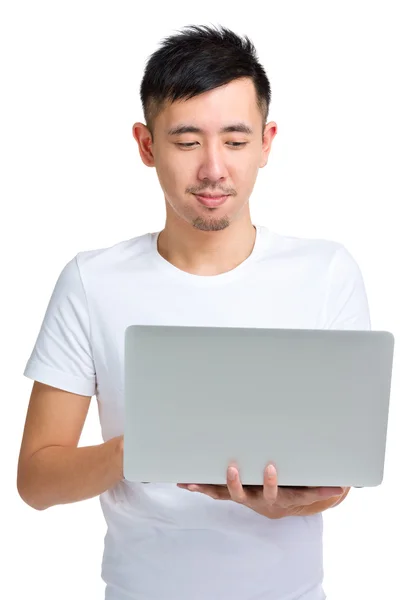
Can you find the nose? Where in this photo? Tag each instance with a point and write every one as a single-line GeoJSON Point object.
{"type": "Point", "coordinates": [213, 166]}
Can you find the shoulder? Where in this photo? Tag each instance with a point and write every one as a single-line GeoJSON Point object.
{"type": "Point", "coordinates": [87, 268]}
{"type": "Point", "coordinates": [114, 257]}
{"type": "Point", "coordinates": [325, 253]}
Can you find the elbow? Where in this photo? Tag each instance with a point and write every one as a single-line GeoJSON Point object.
{"type": "Point", "coordinates": [28, 495]}
{"type": "Point", "coordinates": [29, 500]}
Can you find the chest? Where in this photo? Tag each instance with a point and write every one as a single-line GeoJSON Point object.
{"type": "Point", "coordinates": [256, 302]}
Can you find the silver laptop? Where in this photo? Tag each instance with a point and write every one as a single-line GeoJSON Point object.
{"type": "Point", "coordinates": [313, 402]}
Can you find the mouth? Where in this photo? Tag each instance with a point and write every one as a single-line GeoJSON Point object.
{"type": "Point", "coordinates": [211, 201]}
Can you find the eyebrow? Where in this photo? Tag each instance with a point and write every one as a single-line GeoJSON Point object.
{"type": "Point", "coordinates": [234, 127]}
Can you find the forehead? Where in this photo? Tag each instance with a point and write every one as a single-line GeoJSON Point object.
{"type": "Point", "coordinates": [212, 111]}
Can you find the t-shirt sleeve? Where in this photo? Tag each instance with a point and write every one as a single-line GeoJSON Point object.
{"type": "Point", "coordinates": [346, 302]}
{"type": "Point", "coordinates": [62, 356]}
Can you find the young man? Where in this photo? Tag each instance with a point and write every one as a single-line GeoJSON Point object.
{"type": "Point", "coordinates": [205, 99]}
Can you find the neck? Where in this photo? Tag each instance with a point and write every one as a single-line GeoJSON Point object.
{"type": "Point", "coordinates": [206, 252]}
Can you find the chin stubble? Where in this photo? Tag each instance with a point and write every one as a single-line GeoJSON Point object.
{"type": "Point", "coordinates": [211, 224]}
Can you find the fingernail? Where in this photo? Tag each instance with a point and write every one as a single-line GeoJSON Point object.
{"type": "Point", "coordinates": [270, 471]}
{"type": "Point", "coordinates": [231, 473]}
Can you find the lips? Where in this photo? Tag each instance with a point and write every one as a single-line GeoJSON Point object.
{"type": "Point", "coordinates": [211, 201]}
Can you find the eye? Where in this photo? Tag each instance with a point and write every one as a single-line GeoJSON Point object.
{"type": "Point", "coordinates": [191, 144]}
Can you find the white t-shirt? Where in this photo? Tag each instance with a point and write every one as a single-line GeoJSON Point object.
{"type": "Point", "coordinates": [162, 542]}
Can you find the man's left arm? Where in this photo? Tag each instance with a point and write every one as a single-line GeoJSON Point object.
{"type": "Point", "coordinates": [345, 308]}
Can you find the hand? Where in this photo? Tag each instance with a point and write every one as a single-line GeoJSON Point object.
{"type": "Point", "coordinates": [268, 500]}
{"type": "Point", "coordinates": [118, 446]}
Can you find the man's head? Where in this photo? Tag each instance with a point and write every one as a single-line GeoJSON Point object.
{"type": "Point", "coordinates": [205, 98]}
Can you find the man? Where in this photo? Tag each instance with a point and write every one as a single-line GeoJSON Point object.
{"type": "Point", "coordinates": [205, 99]}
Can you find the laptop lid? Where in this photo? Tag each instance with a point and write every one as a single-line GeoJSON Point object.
{"type": "Point", "coordinates": [314, 402]}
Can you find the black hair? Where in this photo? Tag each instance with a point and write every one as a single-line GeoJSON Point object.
{"type": "Point", "coordinates": [198, 59]}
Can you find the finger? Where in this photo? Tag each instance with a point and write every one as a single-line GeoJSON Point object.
{"type": "Point", "coordinates": [218, 492]}
{"type": "Point", "coordinates": [303, 497]}
{"type": "Point", "coordinates": [328, 492]}
{"type": "Point", "coordinates": [236, 491]}
{"type": "Point", "coordinates": [322, 493]}
{"type": "Point", "coordinates": [187, 485]}
{"type": "Point", "coordinates": [270, 489]}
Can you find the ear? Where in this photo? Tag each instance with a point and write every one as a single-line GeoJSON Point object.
{"type": "Point", "coordinates": [143, 139]}
{"type": "Point", "coordinates": [271, 130]}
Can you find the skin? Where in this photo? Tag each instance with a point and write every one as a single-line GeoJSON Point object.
{"type": "Point", "coordinates": [206, 241]}
{"type": "Point", "coordinates": [197, 239]}
{"type": "Point", "coordinates": [270, 500]}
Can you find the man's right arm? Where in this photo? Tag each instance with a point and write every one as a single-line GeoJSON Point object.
{"type": "Point", "coordinates": [52, 469]}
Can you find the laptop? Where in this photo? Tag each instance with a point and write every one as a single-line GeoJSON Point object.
{"type": "Point", "coordinates": [313, 402]}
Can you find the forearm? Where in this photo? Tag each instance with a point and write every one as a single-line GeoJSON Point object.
{"type": "Point", "coordinates": [61, 475]}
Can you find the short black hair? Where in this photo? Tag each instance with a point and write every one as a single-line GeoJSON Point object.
{"type": "Point", "coordinates": [198, 59]}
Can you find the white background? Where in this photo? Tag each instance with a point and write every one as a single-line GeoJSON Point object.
{"type": "Point", "coordinates": [343, 167]}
